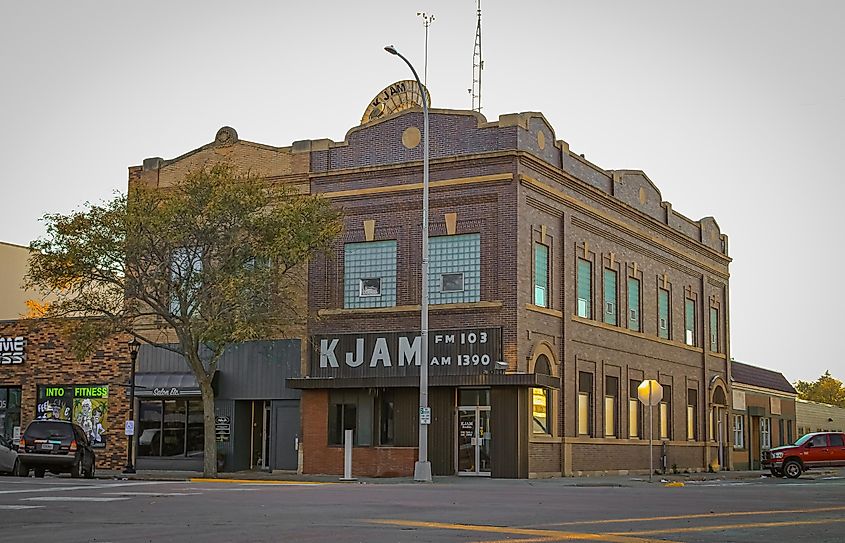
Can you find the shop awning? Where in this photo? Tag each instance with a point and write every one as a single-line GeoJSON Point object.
{"type": "Point", "coordinates": [166, 385]}
{"type": "Point", "coordinates": [482, 379]}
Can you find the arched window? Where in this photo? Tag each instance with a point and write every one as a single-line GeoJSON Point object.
{"type": "Point", "coordinates": [542, 365]}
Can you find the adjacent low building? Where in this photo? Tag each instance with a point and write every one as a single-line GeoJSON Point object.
{"type": "Point", "coordinates": [819, 417]}
{"type": "Point", "coordinates": [41, 378]}
{"type": "Point", "coordinates": [763, 413]}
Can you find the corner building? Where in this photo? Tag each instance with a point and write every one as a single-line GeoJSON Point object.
{"type": "Point", "coordinates": [555, 287]}
{"type": "Point", "coordinates": [582, 282]}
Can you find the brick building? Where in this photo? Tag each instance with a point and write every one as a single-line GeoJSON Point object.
{"type": "Point", "coordinates": [43, 379]}
{"type": "Point", "coordinates": [763, 413]}
{"type": "Point", "coordinates": [555, 287]}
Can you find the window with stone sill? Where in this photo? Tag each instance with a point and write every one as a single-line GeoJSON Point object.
{"type": "Point", "coordinates": [454, 270]}
{"type": "Point", "coordinates": [369, 278]}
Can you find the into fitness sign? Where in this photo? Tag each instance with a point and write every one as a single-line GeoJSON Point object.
{"type": "Point", "coordinates": [12, 350]}
{"type": "Point", "coordinates": [398, 354]}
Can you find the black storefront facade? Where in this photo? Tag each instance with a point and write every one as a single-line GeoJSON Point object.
{"type": "Point", "coordinates": [257, 415]}
{"type": "Point", "coordinates": [481, 416]}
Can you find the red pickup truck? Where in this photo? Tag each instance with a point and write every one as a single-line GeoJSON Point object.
{"type": "Point", "coordinates": [817, 450]}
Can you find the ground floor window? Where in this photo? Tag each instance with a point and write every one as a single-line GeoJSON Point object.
{"type": "Point", "coordinates": [585, 401]}
{"type": "Point", "coordinates": [86, 405]}
{"type": "Point", "coordinates": [739, 431]}
{"type": "Point", "coordinates": [170, 428]}
{"type": "Point", "coordinates": [351, 410]}
{"type": "Point", "coordinates": [635, 410]}
{"type": "Point", "coordinates": [665, 411]}
{"type": "Point", "coordinates": [540, 410]}
{"type": "Point", "coordinates": [10, 412]}
{"type": "Point", "coordinates": [765, 433]}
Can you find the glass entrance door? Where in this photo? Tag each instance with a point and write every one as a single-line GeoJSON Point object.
{"type": "Point", "coordinates": [474, 440]}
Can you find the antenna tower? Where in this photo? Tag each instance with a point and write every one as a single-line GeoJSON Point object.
{"type": "Point", "coordinates": [427, 20]}
{"type": "Point", "coordinates": [477, 66]}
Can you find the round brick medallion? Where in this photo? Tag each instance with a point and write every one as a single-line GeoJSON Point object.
{"type": "Point", "coordinates": [411, 137]}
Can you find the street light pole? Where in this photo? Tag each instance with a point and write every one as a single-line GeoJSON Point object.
{"type": "Point", "coordinates": [134, 345]}
{"type": "Point", "coordinates": [422, 468]}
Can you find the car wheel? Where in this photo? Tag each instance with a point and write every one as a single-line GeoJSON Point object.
{"type": "Point", "coordinates": [76, 469]}
{"type": "Point", "coordinates": [39, 472]}
{"type": "Point", "coordinates": [793, 469]}
{"type": "Point", "coordinates": [89, 473]}
{"type": "Point", "coordinates": [20, 470]}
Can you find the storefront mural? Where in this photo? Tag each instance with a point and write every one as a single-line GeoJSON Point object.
{"type": "Point", "coordinates": [87, 406]}
{"type": "Point", "coordinates": [397, 354]}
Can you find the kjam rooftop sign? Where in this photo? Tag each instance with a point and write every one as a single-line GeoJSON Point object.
{"type": "Point", "coordinates": [12, 350]}
{"type": "Point", "coordinates": [397, 354]}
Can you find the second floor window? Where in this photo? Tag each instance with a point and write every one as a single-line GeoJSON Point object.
{"type": "Point", "coordinates": [186, 279]}
{"type": "Point", "coordinates": [663, 324]}
{"type": "Point", "coordinates": [610, 313]}
{"type": "Point", "coordinates": [541, 275]}
{"type": "Point", "coordinates": [689, 321]}
{"type": "Point", "coordinates": [369, 278]}
{"type": "Point", "coordinates": [584, 286]}
{"type": "Point", "coordinates": [454, 273]}
{"type": "Point", "coordinates": [633, 304]}
{"type": "Point", "coordinates": [714, 330]}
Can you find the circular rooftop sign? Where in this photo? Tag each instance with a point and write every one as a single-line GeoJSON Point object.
{"type": "Point", "coordinates": [394, 98]}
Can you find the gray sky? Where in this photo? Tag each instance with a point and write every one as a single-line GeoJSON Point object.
{"type": "Point", "coordinates": [733, 109]}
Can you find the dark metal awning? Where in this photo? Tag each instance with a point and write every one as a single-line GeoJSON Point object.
{"type": "Point", "coordinates": [166, 385]}
{"type": "Point", "coordinates": [481, 379]}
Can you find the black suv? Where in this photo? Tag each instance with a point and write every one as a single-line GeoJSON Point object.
{"type": "Point", "coordinates": [55, 445]}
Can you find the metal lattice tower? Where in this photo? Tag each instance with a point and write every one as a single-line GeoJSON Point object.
{"type": "Point", "coordinates": [477, 66]}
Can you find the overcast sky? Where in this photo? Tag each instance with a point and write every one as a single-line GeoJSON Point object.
{"type": "Point", "coordinates": [734, 109]}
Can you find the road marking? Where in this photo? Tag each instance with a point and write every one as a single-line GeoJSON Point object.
{"type": "Point", "coordinates": [545, 535]}
{"type": "Point", "coordinates": [156, 494]}
{"type": "Point", "coordinates": [83, 487]}
{"type": "Point", "coordinates": [258, 482]}
{"type": "Point", "coordinates": [16, 507]}
{"type": "Point", "coordinates": [72, 499]}
{"type": "Point", "coordinates": [695, 516]}
{"type": "Point", "coordinates": [732, 527]}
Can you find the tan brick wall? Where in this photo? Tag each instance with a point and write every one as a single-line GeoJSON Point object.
{"type": "Point", "coordinates": [49, 362]}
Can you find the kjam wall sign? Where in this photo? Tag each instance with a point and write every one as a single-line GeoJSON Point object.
{"type": "Point", "coordinates": [397, 354]}
{"type": "Point", "coordinates": [12, 350]}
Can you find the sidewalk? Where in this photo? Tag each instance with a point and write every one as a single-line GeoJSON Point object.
{"type": "Point", "coordinates": [597, 481]}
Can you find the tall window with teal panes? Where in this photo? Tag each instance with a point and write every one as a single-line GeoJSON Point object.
{"type": "Point", "coordinates": [584, 286]}
{"type": "Point", "coordinates": [689, 321]}
{"type": "Point", "coordinates": [714, 330]}
{"type": "Point", "coordinates": [541, 275]}
{"type": "Point", "coordinates": [610, 297]}
{"type": "Point", "coordinates": [663, 325]}
{"type": "Point", "coordinates": [634, 304]}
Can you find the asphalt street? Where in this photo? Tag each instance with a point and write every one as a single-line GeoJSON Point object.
{"type": "Point", "coordinates": [468, 510]}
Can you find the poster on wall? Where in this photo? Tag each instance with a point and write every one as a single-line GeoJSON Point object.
{"type": "Point", "coordinates": [87, 406]}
